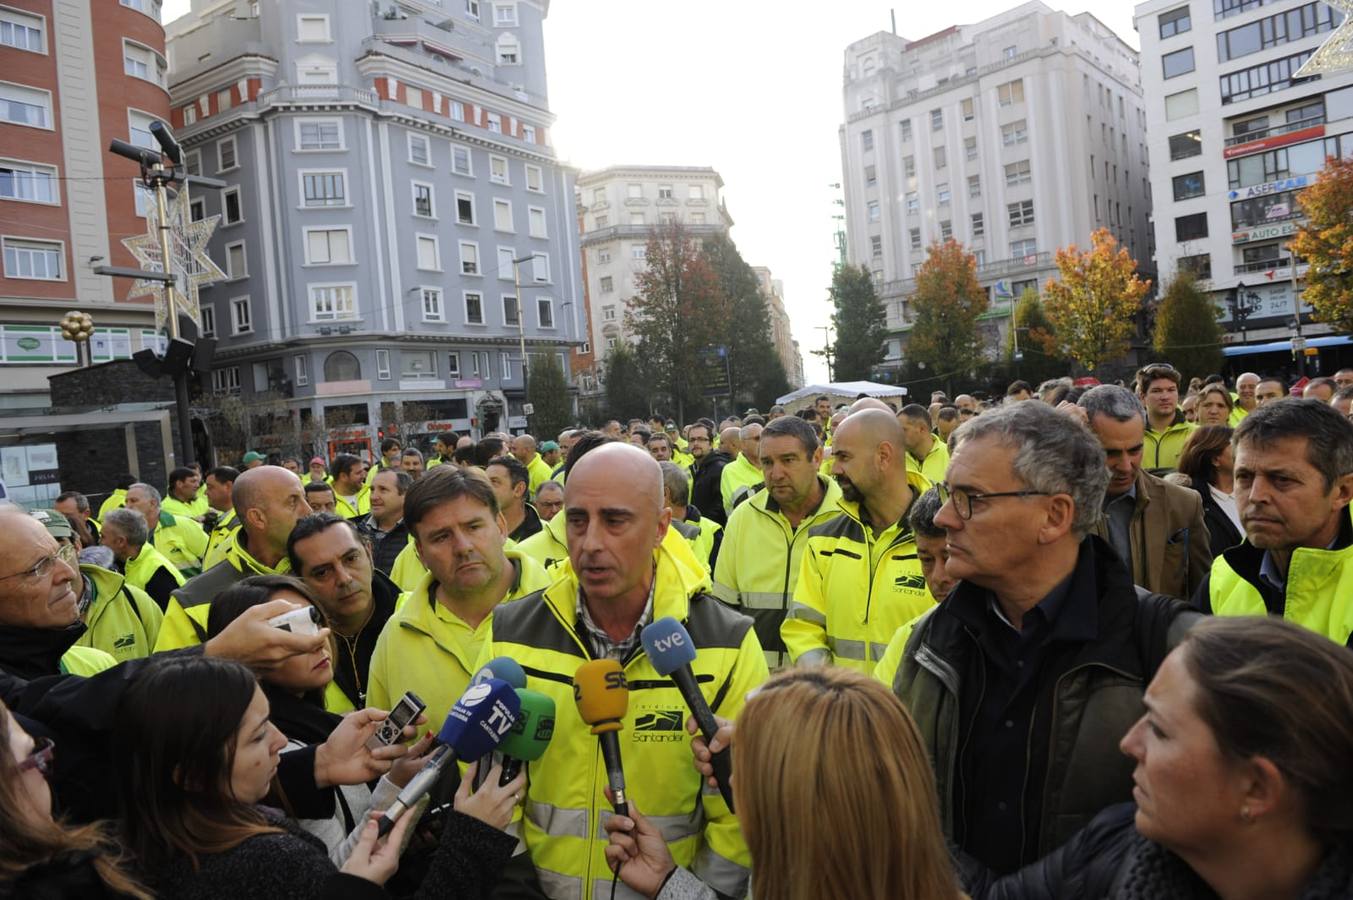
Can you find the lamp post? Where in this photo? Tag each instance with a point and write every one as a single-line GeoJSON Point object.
{"type": "Point", "coordinates": [521, 324]}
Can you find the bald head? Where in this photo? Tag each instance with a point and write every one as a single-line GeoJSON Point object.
{"type": "Point", "coordinates": [870, 427]}
{"type": "Point", "coordinates": [255, 486]}
{"type": "Point", "coordinates": [622, 468]}
{"type": "Point", "coordinates": [730, 440]}
{"type": "Point", "coordinates": [1247, 378]}
{"type": "Point", "coordinates": [868, 403]}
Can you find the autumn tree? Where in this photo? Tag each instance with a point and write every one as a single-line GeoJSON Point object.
{"type": "Point", "coordinates": [945, 307]}
{"type": "Point", "coordinates": [1326, 243]}
{"type": "Point", "coordinates": [547, 393]}
{"type": "Point", "coordinates": [627, 393]}
{"type": "Point", "coordinates": [674, 313]}
{"type": "Point", "coordinates": [860, 323]}
{"type": "Point", "coordinates": [1037, 341]}
{"type": "Point", "coordinates": [1187, 332]}
{"type": "Point", "coordinates": [1092, 307]}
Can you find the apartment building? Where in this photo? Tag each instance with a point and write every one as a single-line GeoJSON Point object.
{"type": "Point", "coordinates": [1015, 136]}
{"type": "Point", "coordinates": [781, 332]}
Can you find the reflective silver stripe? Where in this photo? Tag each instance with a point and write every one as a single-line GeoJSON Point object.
{"type": "Point", "coordinates": [776, 660]}
{"type": "Point", "coordinates": [673, 828]}
{"type": "Point", "coordinates": [558, 886]}
{"type": "Point", "coordinates": [720, 873]}
{"type": "Point", "coordinates": [846, 649]}
{"type": "Point", "coordinates": [556, 821]}
{"type": "Point", "coordinates": [806, 613]}
{"type": "Point", "coordinates": [815, 657]}
{"type": "Point", "coordinates": [725, 593]}
{"type": "Point", "coordinates": [763, 600]}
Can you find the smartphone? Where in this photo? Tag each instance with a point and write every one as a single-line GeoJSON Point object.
{"type": "Point", "coordinates": [306, 620]}
{"type": "Point", "coordinates": [392, 728]}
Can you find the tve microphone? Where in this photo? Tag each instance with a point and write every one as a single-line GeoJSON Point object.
{"type": "Point", "coordinates": [474, 726]}
{"type": "Point", "coordinates": [527, 740]}
{"type": "Point", "coordinates": [671, 651]}
{"type": "Point", "coordinates": [603, 697]}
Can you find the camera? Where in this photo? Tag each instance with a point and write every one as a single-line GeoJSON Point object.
{"type": "Point", "coordinates": [392, 728]}
{"type": "Point", "coordinates": [306, 620]}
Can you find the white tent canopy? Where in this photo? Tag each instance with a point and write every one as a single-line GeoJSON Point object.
{"type": "Point", "coordinates": [848, 389]}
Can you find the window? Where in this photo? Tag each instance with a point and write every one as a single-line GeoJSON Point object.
{"type": "Point", "coordinates": [237, 261]}
{"type": "Point", "coordinates": [507, 269]}
{"type": "Point", "coordinates": [302, 364]}
{"type": "Point", "coordinates": [1272, 31]}
{"type": "Point", "coordinates": [494, 122]}
{"type": "Point", "coordinates": [545, 312]}
{"type": "Point", "coordinates": [142, 62]}
{"type": "Point", "coordinates": [474, 308]}
{"type": "Point", "coordinates": [1190, 228]}
{"type": "Point", "coordinates": [936, 119]}
{"type": "Point", "coordinates": [974, 185]}
{"type": "Point", "coordinates": [603, 256]}
{"type": "Point", "coordinates": [913, 200]}
{"type": "Point", "coordinates": [1259, 80]}
{"type": "Point", "coordinates": [417, 364]}
{"type": "Point", "coordinates": [192, 162]}
{"type": "Point", "coordinates": [1190, 143]}
{"type": "Point", "coordinates": [510, 312]}
{"type": "Point", "coordinates": [536, 222]}
{"type": "Point", "coordinates": [507, 367]}
{"type": "Point", "coordinates": [21, 105]}
{"type": "Point", "coordinates": [456, 110]}
{"type": "Point", "coordinates": [540, 264]}
{"type": "Point", "coordinates": [639, 252]}
{"type": "Point", "coordinates": [227, 380]}
{"type": "Point", "coordinates": [432, 305]}
{"type": "Point", "coordinates": [871, 177]}
{"type": "Point", "coordinates": [875, 245]}
{"type": "Point", "coordinates": [197, 209]}
{"type": "Point", "coordinates": [21, 31]}
{"type": "Point", "coordinates": [966, 106]}
{"type": "Point", "coordinates": [460, 161]}
{"type": "Point", "coordinates": [873, 211]}
{"type": "Point", "coordinates": [29, 182]}
{"type": "Point", "coordinates": [312, 29]}
{"type": "Point", "coordinates": [939, 157]}
{"type": "Point", "coordinates": [231, 213]}
{"type": "Point", "coordinates": [608, 314]}
{"type": "Point", "coordinates": [241, 316]}
{"type": "Point", "coordinates": [453, 365]}
{"type": "Point", "coordinates": [535, 179]}
{"type": "Point", "coordinates": [1200, 264]}
{"type": "Point", "coordinates": [208, 320]}
{"type": "Point", "coordinates": [1184, 103]}
{"type": "Point", "coordinates": [1018, 173]}
{"type": "Point", "coordinates": [324, 189]}
{"type": "Point", "coordinates": [1014, 133]}
{"type": "Point", "coordinates": [505, 15]}
{"type": "Point", "coordinates": [664, 192]}
{"type": "Point", "coordinates": [502, 215]}
{"type": "Point", "coordinates": [914, 236]}
{"type": "Point", "coordinates": [420, 150]}
{"type": "Point", "coordinates": [143, 197]}
{"type": "Point", "coordinates": [226, 157]}
{"type": "Point", "coordinates": [509, 50]}
{"type": "Point", "coordinates": [1025, 248]}
{"type": "Point", "coordinates": [866, 140]}
{"type": "Point", "coordinates": [942, 193]}
{"type": "Point", "coordinates": [603, 221]}
{"type": "Point", "coordinates": [319, 134]}
{"type": "Point", "coordinates": [328, 246]}
{"type": "Point", "coordinates": [1176, 21]}
{"type": "Point", "coordinates": [469, 258]}
{"type": "Point", "coordinates": [423, 204]}
{"type": "Point", "coordinates": [970, 148]}
{"type": "Point", "coordinates": [904, 127]}
{"type": "Point", "coordinates": [634, 191]}
{"type": "Point", "coordinates": [1190, 185]}
{"type": "Point", "coordinates": [909, 166]}
{"type": "Point", "coordinates": [1177, 63]}
{"type": "Point", "coordinates": [1265, 209]}
{"type": "Point", "coordinates": [695, 192]}
{"type": "Point", "coordinates": [498, 172]}
{"type": "Point", "coordinates": [472, 9]}
{"type": "Point", "coordinates": [946, 229]}
{"type": "Point", "coordinates": [607, 284]}
{"type": "Point", "coordinates": [428, 253]}
{"type": "Point", "coordinates": [465, 208]}
{"type": "Point", "coordinates": [330, 302]}
{"type": "Point", "coordinates": [38, 260]}
{"type": "Point", "coordinates": [1010, 93]}
{"type": "Point", "coordinates": [1021, 213]}
{"type": "Point", "coordinates": [979, 227]}
{"type": "Point", "coordinates": [1009, 52]}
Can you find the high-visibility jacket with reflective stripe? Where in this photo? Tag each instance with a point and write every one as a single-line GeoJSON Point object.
{"type": "Point", "coordinates": [225, 529]}
{"type": "Point", "coordinates": [182, 541]}
{"type": "Point", "coordinates": [1318, 596]}
{"type": "Point", "coordinates": [565, 807]}
{"type": "Point", "coordinates": [363, 500]}
{"type": "Point", "coordinates": [185, 619]}
{"type": "Point", "coordinates": [549, 545]}
{"type": "Point", "coordinates": [116, 500]}
{"type": "Point", "coordinates": [853, 591]}
{"type": "Point", "coordinates": [935, 462]}
{"type": "Point", "coordinates": [190, 510]}
{"type": "Point", "coordinates": [759, 562]}
{"type": "Point", "coordinates": [700, 537]}
{"type": "Point", "coordinates": [1162, 448]}
{"type": "Point", "coordinates": [140, 570]}
{"type": "Point", "coordinates": [122, 621]}
{"type": "Point", "coordinates": [738, 473]}
{"type": "Point", "coordinates": [538, 472]}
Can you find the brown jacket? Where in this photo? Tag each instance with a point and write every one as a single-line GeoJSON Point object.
{"type": "Point", "coordinates": [1171, 553]}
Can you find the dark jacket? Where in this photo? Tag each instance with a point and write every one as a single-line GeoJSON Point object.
{"type": "Point", "coordinates": [34, 652]}
{"type": "Point", "coordinates": [1110, 859]}
{"type": "Point", "coordinates": [71, 876]}
{"type": "Point", "coordinates": [352, 674]}
{"type": "Point", "coordinates": [1222, 532]}
{"type": "Point", "coordinates": [1170, 553]}
{"type": "Point", "coordinates": [707, 487]}
{"type": "Point", "coordinates": [530, 524]}
{"type": "Point", "coordinates": [385, 545]}
{"type": "Point", "coordinates": [1081, 714]}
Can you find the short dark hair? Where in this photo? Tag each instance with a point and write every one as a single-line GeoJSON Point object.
{"type": "Point", "coordinates": [917, 413]}
{"type": "Point", "coordinates": [709, 430]}
{"type": "Point", "coordinates": [586, 443]}
{"type": "Point", "coordinates": [465, 455]}
{"type": "Point", "coordinates": [515, 469]}
{"type": "Point", "coordinates": [792, 426]}
{"type": "Point", "coordinates": [314, 487]}
{"type": "Point", "coordinates": [342, 464]}
{"type": "Point", "coordinates": [922, 515]}
{"type": "Point", "coordinates": [403, 480]}
{"type": "Point", "coordinates": [659, 436]}
{"type": "Point", "coordinates": [487, 449]}
{"type": "Point", "coordinates": [124, 481]}
{"type": "Point", "coordinates": [444, 484]}
{"type": "Point", "coordinates": [81, 501]}
{"type": "Point", "coordinates": [643, 433]}
{"type": "Point", "coordinates": [1155, 372]}
{"type": "Point", "coordinates": [754, 419]}
{"type": "Point", "coordinates": [1321, 382]}
{"type": "Point", "coordinates": [390, 443]}
{"type": "Point", "coordinates": [178, 476]}
{"type": "Point", "coordinates": [820, 397]}
{"type": "Point", "coordinates": [224, 474]}
{"type": "Point", "coordinates": [311, 525]}
{"type": "Point", "coordinates": [946, 414]}
{"type": "Point", "coordinates": [1018, 387]}
{"type": "Point", "coordinates": [1329, 435]}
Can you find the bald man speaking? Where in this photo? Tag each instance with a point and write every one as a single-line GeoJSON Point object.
{"type": "Point", "coordinates": [626, 569]}
{"type": "Point", "coordinates": [860, 580]}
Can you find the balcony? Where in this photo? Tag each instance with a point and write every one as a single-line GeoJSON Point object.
{"type": "Point", "coordinates": [1250, 137]}
{"type": "Point", "coordinates": [302, 94]}
{"type": "Point", "coordinates": [1281, 268]}
{"type": "Point", "coordinates": [644, 232]}
{"type": "Point", "coordinates": [441, 39]}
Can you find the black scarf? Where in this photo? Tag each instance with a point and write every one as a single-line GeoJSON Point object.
{"type": "Point", "coordinates": [34, 652]}
{"type": "Point", "coordinates": [1152, 872]}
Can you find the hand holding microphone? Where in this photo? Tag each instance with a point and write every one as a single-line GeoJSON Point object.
{"type": "Point", "coordinates": [602, 695]}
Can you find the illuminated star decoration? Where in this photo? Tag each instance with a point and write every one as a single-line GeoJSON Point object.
{"type": "Point", "coordinates": [1336, 54]}
{"type": "Point", "coordinates": [188, 257]}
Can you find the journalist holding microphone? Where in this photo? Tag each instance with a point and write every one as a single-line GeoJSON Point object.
{"type": "Point", "coordinates": [579, 643]}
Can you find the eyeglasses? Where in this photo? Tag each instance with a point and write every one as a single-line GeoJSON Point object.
{"type": "Point", "coordinates": [967, 412]}
{"type": "Point", "coordinates": [40, 568]}
{"type": "Point", "coordinates": [44, 752]}
{"type": "Point", "coordinates": [962, 499]}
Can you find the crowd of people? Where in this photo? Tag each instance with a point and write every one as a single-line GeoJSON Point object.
{"type": "Point", "coordinates": [1080, 640]}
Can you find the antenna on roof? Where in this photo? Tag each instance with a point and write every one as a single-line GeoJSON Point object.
{"type": "Point", "coordinates": [893, 14]}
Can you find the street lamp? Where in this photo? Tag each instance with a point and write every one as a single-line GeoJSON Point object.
{"type": "Point", "coordinates": [521, 322]}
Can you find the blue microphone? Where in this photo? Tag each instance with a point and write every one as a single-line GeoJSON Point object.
{"type": "Point", "coordinates": [506, 669]}
{"type": "Point", "coordinates": [476, 724]}
{"type": "Point", "coordinates": [671, 651]}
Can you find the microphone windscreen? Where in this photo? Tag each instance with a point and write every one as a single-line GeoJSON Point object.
{"type": "Point", "coordinates": [480, 719]}
{"type": "Point", "coordinates": [668, 645]}
{"type": "Point", "coordinates": [504, 668]}
{"type": "Point", "coordinates": [535, 726]}
{"type": "Point", "coordinates": [601, 693]}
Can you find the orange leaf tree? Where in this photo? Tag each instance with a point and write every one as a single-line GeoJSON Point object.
{"type": "Point", "coordinates": [1326, 242]}
{"type": "Point", "coordinates": [946, 305]}
{"type": "Point", "coordinates": [1092, 307]}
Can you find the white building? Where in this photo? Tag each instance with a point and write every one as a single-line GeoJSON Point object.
{"type": "Point", "coordinates": [1234, 136]}
{"type": "Point", "coordinates": [1015, 136]}
{"type": "Point", "coordinates": [781, 328]}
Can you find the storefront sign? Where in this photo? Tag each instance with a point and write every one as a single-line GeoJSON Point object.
{"type": "Point", "coordinates": [1278, 140]}
{"type": "Point", "coordinates": [1295, 183]}
{"type": "Point", "coordinates": [1264, 233]}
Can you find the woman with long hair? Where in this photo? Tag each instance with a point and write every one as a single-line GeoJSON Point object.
{"type": "Point", "coordinates": [1244, 779]}
{"type": "Point", "coordinates": [1208, 462]}
{"type": "Point", "coordinates": [192, 777]}
{"type": "Point", "coordinates": [827, 763]}
{"type": "Point", "coordinates": [39, 855]}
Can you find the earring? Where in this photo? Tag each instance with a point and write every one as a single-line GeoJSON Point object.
{"type": "Point", "coordinates": [1245, 815]}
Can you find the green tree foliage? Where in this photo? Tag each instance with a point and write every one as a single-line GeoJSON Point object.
{"type": "Point", "coordinates": [860, 323]}
{"type": "Point", "coordinates": [1037, 342]}
{"type": "Point", "coordinates": [743, 326]}
{"type": "Point", "coordinates": [627, 392]}
{"type": "Point", "coordinates": [946, 305]}
{"type": "Point", "coordinates": [547, 391]}
{"type": "Point", "coordinates": [1187, 331]}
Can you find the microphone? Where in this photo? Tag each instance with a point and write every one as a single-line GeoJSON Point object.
{"type": "Point", "coordinates": [527, 740]}
{"type": "Point", "coordinates": [603, 698]}
{"type": "Point", "coordinates": [506, 669]}
{"type": "Point", "coordinates": [474, 726]}
{"type": "Point", "coordinates": [671, 651]}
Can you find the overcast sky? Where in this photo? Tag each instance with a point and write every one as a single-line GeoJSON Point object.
{"type": "Point", "coordinates": [750, 87]}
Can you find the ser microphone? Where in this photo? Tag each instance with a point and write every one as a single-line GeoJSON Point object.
{"type": "Point", "coordinates": [671, 651]}
{"type": "Point", "coordinates": [476, 724]}
{"type": "Point", "coordinates": [529, 738]}
{"type": "Point", "coordinates": [603, 698]}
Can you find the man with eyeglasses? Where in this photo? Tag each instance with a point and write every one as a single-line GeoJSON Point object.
{"type": "Point", "coordinates": [707, 472]}
{"type": "Point", "coordinates": [1023, 679]}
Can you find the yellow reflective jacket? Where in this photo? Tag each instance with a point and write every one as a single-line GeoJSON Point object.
{"type": "Point", "coordinates": [549, 545]}
{"type": "Point", "coordinates": [935, 462]}
{"type": "Point", "coordinates": [855, 589]}
{"type": "Point", "coordinates": [426, 649]}
{"type": "Point", "coordinates": [116, 500]}
{"type": "Point", "coordinates": [759, 562]}
{"type": "Point", "coordinates": [121, 620]}
{"type": "Point", "coordinates": [1162, 448]}
{"type": "Point", "coordinates": [363, 501]}
{"type": "Point", "coordinates": [226, 526]}
{"type": "Point", "coordinates": [196, 509]}
{"type": "Point", "coordinates": [182, 541]}
{"type": "Point", "coordinates": [538, 472]}
{"type": "Point", "coordinates": [739, 473]}
{"type": "Point", "coordinates": [140, 570]}
{"type": "Point", "coordinates": [86, 661]}
{"type": "Point", "coordinates": [185, 621]}
{"type": "Point", "coordinates": [565, 806]}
